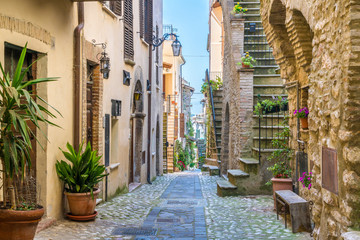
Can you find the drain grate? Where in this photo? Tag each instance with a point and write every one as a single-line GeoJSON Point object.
{"type": "Point", "coordinates": [167, 220]}
{"type": "Point", "coordinates": [135, 231]}
{"type": "Point", "coordinates": [175, 202]}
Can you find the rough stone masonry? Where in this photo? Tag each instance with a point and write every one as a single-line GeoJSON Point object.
{"type": "Point", "coordinates": [317, 45]}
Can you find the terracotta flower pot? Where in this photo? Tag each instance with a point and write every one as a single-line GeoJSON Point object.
{"type": "Point", "coordinates": [304, 123]}
{"type": "Point", "coordinates": [82, 204]}
{"type": "Point", "coordinates": [281, 184]}
{"type": "Point", "coordinates": [22, 225]}
{"type": "Point", "coordinates": [245, 65]}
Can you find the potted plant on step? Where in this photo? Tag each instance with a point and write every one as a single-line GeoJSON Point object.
{"type": "Point", "coordinates": [281, 170]}
{"type": "Point", "coordinates": [20, 108]}
{"type": "Point", "coordinates": [81, 175]}
{"type": "Point", "coordinates": [247, 61]}
{"type": "Point", "coordinates": [238, 11]}
{"type": "Point", "coordinates": [303, 115]}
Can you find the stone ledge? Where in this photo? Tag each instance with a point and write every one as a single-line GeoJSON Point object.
{"type": "Point", "coordinates": [238, 173]}
{"type": "Point", "coordinates": [223, 184]}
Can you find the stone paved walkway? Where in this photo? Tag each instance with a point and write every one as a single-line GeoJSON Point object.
{"type": "Point", "coordinates": [177, 206]}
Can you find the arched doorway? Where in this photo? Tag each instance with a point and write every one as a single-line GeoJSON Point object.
{"type": "Point", "coordinates": [136, 142]}
{"type": "Point", "coordinates": [157, 147]}
{"type": "Point", "coordinates": [225, 142]}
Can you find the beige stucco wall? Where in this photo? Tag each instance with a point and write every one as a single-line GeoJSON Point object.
{"type": "Point", "coordinates": [216, 40]}
{"type": "Point", "coordinates": [53, 37]}
{"type": "Point", "coordinates": [48, 27]}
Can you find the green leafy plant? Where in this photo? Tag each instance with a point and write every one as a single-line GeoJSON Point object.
{"type": "Point", "coordinates": [215, 85]}
{"type": "Point", "coordinates": [84, 172]}
{"type": "Point", "coordinates": [19, 107]}
{"type": "Point", "coordinates": [283, 153]}
{"type": "Point", "coordinates": [247, 60]}
{"type": "Point", "coordinates": [239, 9]}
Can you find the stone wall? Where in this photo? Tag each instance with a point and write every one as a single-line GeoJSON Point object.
{"type": "Point", "coordinates": [316, 43]}
{"type": "Point", "coordinates": [237, 93]}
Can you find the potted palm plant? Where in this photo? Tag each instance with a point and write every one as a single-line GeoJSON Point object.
{"type": "Point", "coordinates": [81, 175]}
{"type": "Point", "coordinates": [19, 107]}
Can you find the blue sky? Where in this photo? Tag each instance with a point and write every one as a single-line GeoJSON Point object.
{"type": "Point", "coordinates": [190, 17]}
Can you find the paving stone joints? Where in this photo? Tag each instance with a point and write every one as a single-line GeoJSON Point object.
{"type": "Point", "coordinates": [178, 206]}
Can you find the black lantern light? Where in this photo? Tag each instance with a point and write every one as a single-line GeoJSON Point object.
{"type": "Point", "coordinates": [104, 60]}
{"type": "Point", "coordinates": [176, 45]}
{"type": "Point", "coordinates": [105, 65]}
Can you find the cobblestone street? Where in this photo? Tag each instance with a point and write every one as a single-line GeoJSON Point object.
{"type": "Point", "coordinates": [178, 206]}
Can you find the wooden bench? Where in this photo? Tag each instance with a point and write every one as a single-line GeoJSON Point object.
{"type": "Point", "coordinates": [297, 207]}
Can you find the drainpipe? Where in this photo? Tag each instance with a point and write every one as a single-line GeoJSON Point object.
{"type": "Point", "coordinates": [149, 116]}
{"type": "Point", "coordinates": [77, 77]}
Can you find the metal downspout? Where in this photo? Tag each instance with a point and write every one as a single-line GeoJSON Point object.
{"type": "Point", "coordinates": [77, 77]}
{"type": "Point", "coordinates": [149, 116]}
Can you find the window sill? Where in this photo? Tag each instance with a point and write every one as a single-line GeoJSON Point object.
{"type": "Point", "coordinates": [129, 62]}
{"type": "Point", "coordinates": [143, 41]}
{"type": "Point", "coordinates": [113, 166]}
{"type": "Point", "coordinates": [108, 11]}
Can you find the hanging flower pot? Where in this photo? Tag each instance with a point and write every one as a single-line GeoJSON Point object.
{"type": "Point", "coordinates": [304, 123]}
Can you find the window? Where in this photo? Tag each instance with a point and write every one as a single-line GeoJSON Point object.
{"type": "Point", "coordinates": [128, 30]}
{"type": "Point", "coordinates": [116, 7]}
{"type": "Point", "coordinates": [146, 20]}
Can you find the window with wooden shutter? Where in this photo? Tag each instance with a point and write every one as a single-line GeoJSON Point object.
{"type": "Point", "coordinates": [142, 18]}
{"type": "Point", "coordinates": [116, 7]}
{"type": "Point", "coordinates": [148, 21]}
{"type": "Point", "coordinates": [128, 30]}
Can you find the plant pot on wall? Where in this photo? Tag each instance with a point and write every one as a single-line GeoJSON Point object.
{"type": "Point", "coordinates": [245, 65]}
{"type": "Point", "coordinates": [304, 123]}
{"type": "Point", "coordinates": [281, 184]}
{"type": "Point", "coordinates": [19, 224]}
{"type": "Point", "coordinates": [238, 15]}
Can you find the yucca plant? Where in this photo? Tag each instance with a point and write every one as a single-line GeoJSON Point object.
{"type": "Point", "coordinates": [18, 108]}
{"type": "Point", "coordinates": [82, 172]}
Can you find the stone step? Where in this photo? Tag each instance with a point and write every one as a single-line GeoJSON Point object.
{"type": "Point", "coordinates": [249, 165]}
{"type": "Point", "coordinates": [225, 188]}
{"type": "Point", "coordinates": [259, 81]}
{"type": "Point", "coordinates": [211, 162]}
{"type": "Point", "coordinates": [265, 150]}
{"type": "Point", "coordinates": [214, 171]}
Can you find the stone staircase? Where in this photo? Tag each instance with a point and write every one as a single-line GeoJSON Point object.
{"type": "Point", "coordinates": [212, 166]}
{"type": "Point", "coordinates": [218, 103]}
{"type": "Point", "coordinates": [252, 174]}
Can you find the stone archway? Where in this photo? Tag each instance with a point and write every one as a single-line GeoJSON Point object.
{"type": "Point", "coordinates": [137, 128]}
{"type": "Point", "coordinates": [225, 142]}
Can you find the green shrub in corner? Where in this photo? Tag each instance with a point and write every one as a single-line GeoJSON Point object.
{"type": "Point", "coordinates": [84, 172]}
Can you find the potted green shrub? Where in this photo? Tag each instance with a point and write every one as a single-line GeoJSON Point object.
{"type": "Point", "coordinates": [238, 11]}
{"type": "Point", "coordinates": [19, 107]}
{"type": "Point", "coordinates": [247, 61]}
{"type": "Point", "coordinates": [81, 174]}
{"type": "Point", "coordinates": [281, 157]}
{"type": "Point", "coordinates": [303, 114]}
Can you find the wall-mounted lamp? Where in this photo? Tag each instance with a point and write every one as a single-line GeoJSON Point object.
{"type": "Point", "coordinates": [104, 60]}
{"type": "Point", "coordinates": [137, 95]}
{"type": "Point", "coordinates": [176, 45]}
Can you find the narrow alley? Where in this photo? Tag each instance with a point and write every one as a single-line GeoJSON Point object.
{"type": "Point", "coordinates": [178, 206]}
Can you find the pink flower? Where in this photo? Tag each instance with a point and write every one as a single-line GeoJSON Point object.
{"type": "Point", "coordinates": [309, 186]}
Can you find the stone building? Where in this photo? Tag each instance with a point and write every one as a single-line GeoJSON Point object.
{"type": "Point", "coordinates": [316, 44]}
{"type": "Point", "coordinates": [173, 123]}
{"type": "Point", "coordinates": [97, 107]}
{"type": "Point", "coordinates": [243, 150]}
